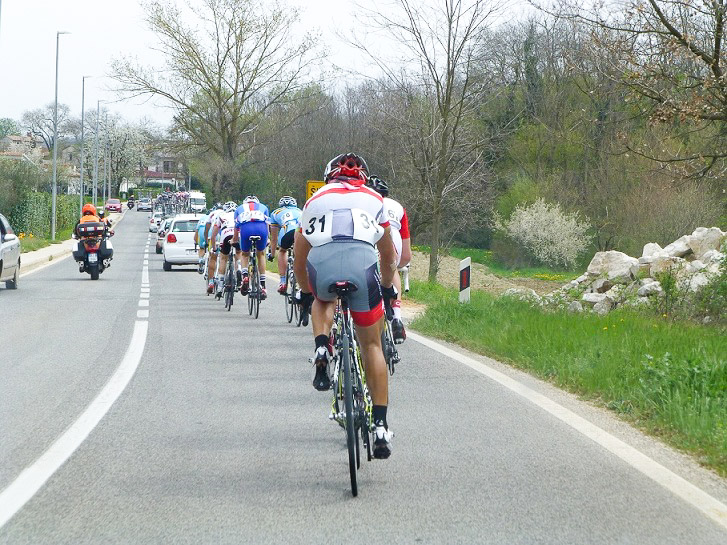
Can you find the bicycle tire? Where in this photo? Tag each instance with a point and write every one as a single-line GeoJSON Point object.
{"type": "Point", "coordinates": [256, 289]}
{"type": "Point", "coordinates": [251, 288]}
{"type": "Point", "coordinates": [229, 289]}
{"type": "Point", "coordinates": [348, 407]}
{"type": "Point", "coordinates": [289, 302]}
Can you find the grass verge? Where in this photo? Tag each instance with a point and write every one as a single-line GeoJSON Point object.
{"type": "Point", "coordinates": [668, 378]}
{"type": "Point", "coordinates": [30, 244]}
{"type": "Point", "coordinates": [485, 258]}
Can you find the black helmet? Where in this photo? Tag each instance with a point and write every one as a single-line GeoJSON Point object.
{"type": "Point", "coordinates": [378, 185]}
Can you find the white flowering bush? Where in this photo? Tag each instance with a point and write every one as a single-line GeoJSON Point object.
{"type": "Point", "coordinates": [552, 236]}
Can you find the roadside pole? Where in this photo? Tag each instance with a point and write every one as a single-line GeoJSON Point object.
{"type": "Point", "coordinates": [465, 269]}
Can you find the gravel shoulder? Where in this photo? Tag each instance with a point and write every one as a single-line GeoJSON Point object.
{"type": "Point", "coordinates": [482, 278]}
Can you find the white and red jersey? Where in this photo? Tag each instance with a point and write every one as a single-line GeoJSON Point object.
{"type": "Point", "coordinates": [341, 210]}
{"type": "Point", "coordinates": [225, 222]}
{"type": "Point", "coordinates": [397, 217]}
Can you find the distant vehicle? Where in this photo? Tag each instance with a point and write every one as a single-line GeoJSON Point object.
{"type": "Point", "coordinates": [144, 204]}
{"type": "Point", "coordinates": [154, 221]}
{"type": "Point", "coordinates": [178, 244]}
{"type": "Point", "coordinates": [163, 228]}
{"type": "Point", "coordinates": [9, 255]}
{"type": "Point", "coordinates": [113, 205]}
{"type": "Point", "coordinates": [197, 201]}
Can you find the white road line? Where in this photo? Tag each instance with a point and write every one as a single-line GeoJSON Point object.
{"type": "Point", "coordinates": [145, 276]}
{"type": "Point", "coordinates": [145, 289]}
{"type": "Point", "coordinates": [146, 261]}
{"type": "Point", "coordinates": [33, 477]}
{"type": "Point", "coordinates": [144, 295]}
{"type": "Point", "coordinates": [710, 506]}
{"type": "Point", "coordinates": [144, 313]}
{"type": "Point", "coordinates": [143, 302]}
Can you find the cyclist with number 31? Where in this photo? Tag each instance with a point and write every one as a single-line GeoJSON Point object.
{"type": "Point", "coordinates": [341, 227]}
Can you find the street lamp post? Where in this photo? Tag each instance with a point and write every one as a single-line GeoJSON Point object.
{"type": "Point", "coordinates": [55, 144]}
{"type": "Point", "coordinates": [95, 155]}
{"type": "Point", "coordinates": [83, 126]}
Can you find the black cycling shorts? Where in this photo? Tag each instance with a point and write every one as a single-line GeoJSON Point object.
{"type": "Point", "coordinates": [287, 241]}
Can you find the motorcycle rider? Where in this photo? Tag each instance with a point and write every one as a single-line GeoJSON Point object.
{"type": "Point", "coordinates": [88, 214]}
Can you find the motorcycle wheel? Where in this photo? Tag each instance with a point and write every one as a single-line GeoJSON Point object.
{"type": "Point", "coordinates": [93, 271]}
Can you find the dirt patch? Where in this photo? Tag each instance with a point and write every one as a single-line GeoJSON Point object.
{"type": "Point", "coordinates": [482, 278]}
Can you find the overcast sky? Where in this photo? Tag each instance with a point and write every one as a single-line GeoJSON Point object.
{"type": "Point", "coordinates": [100, 30]}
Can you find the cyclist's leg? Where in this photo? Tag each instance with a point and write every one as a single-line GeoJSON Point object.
{"type": "Point", "coordinates": [397, 326]}
{"type": "Point", "coordinates": [245, 257]}
{"type": "Point", "coordinates": [286, 242]}
{"type": "Point", "coordinates": [211, 271]}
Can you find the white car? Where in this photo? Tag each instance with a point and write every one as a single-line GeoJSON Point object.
{"type": "Point", "coordinates": [154, 220]}
{"type": "Point", "coordinates": [9, 255]}
{"type": "Point", "coordinates": [178, 246]}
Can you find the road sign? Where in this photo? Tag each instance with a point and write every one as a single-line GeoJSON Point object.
{"type": "Point", "coordinates": [311, 186]}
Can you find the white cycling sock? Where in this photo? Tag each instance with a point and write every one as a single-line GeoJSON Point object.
{"type": "Point", "coordinates": [396, 307]}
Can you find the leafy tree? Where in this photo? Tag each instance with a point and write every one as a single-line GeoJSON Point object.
{"type": "Point", "coordinates": [8, 126]}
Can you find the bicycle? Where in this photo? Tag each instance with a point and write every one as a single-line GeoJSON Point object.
{"type": "Point", "coordinates": [388, 346]}
{"type": "Point", "coordinates": [255, 293]}
{"type": "Point", "coordinates": [292, 308]}
{"type": "Point", "coordinates": [349, 384]}
{"type": "Point", "coordinates": [229, 284]}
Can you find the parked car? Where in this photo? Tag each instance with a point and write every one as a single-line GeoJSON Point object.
{"type": "Point", "coordinates": [144, 204]}
{"type": "Point", "coordinates": [163, 228]}
{"type": "Point", "coordinates": [9, 255]}
{"type": "Point", "coordinates": [154, 220]}
{"type": "Point", "coordinates": [113, 205]}
{"type": "Point", "coordinates": [178, 244]}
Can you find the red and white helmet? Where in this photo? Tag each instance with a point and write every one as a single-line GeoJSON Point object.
{"type": "Point", "coordinates": [348, 165]}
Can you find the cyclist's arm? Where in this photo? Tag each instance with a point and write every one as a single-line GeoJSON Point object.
{"type": "Point", "coordinates": [236, 235]}
{"type": "Point", "coordinates": [387, 255]}
{"type": "Point", "coordinates": [301, 247]}
{"type": "Point", "coordinates": [213, 237]}
{"type": "Point", "coordinates": [274, 230]}
{"type": "Point", "coordinates": [405, 252]}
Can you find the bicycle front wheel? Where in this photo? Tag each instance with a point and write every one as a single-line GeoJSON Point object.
{"type": "Point", "coordinates": [289, 302]}
{"type": "Point", "coordinates": [256, 290]}
{"type": "Point", "coordinates": [351, 441]}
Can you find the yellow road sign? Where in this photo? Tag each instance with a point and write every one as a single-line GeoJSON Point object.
{"type": "Point", "coordinates": [311, 186]}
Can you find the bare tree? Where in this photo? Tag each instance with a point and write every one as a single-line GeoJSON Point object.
{"type": "Point", "coordinates": [670, 54]}
{"type": "Point", "coordinates": [223, 72]}
{"type": "Point", "coordinates": [40, 122]}
{"type": "Point", "coordinates": [441, 91]}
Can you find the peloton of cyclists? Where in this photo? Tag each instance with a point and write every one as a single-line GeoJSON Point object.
{"type": "Point", "coordinates": [283, 223]}
{"type": "Point", "coordinates": [341, 227]}
{"type": "Point", "coordinates": [399, 223]}
{"type": "Point", "coordinates": [251, 219]}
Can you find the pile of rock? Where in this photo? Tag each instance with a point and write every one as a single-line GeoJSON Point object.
{"type": "Point", "coordinates": [614, 278]}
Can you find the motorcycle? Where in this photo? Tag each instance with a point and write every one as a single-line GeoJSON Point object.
{"type": "Point", "coordinates": [130, 204]}
{"type": "Point", "coordinates": [92, 250]}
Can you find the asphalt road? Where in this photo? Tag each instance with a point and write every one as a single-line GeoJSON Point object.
{"type": "Point", "coordinates": [219, 436]}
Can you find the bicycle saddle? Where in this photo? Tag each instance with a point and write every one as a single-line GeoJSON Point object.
{"type": "Point", "coordinates": [342, 288]}
{"type": "Point", "coordinates": [254, 238]}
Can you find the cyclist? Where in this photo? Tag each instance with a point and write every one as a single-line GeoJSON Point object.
{"type": "Point", "coordinates": [251, 219]}
{"type": "Point", "coordinates": [341, 227]}
{"type": "Point", "coordinates": [399, 222]}
{"type": "Point", "coordinates": [212, 262]}
{"type": "Point", "coordinates": [200, 240]}
{"type": "Point", "coordinates": [283, 223]}
{"type": "Point", "coordinates": [223, 232]}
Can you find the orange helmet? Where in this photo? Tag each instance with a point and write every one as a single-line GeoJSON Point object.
{"type": "Point", "coordinates": [88, 209]}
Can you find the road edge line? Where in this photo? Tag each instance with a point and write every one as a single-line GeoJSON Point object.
{"type": "Point", "coordinates": [33, 477]}
{"type": "Point", "coordinates": [680, 487]}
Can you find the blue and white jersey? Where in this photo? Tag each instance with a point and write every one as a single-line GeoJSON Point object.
{"type": "Point", "coordinates": [251, 211]}
{"type": "Point", "coordinates": [287, 218]}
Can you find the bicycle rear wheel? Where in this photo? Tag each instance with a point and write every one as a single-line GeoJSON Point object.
{"type": "Point", "coordinates": [229, 289]}
{"type": "Point", "coordinates": [256, 290]}
{"type": "Point", "coordinates": [351, 441]}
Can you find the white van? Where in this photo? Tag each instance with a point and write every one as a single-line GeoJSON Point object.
{"type": "Point", "coordinates": [197, 201]}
